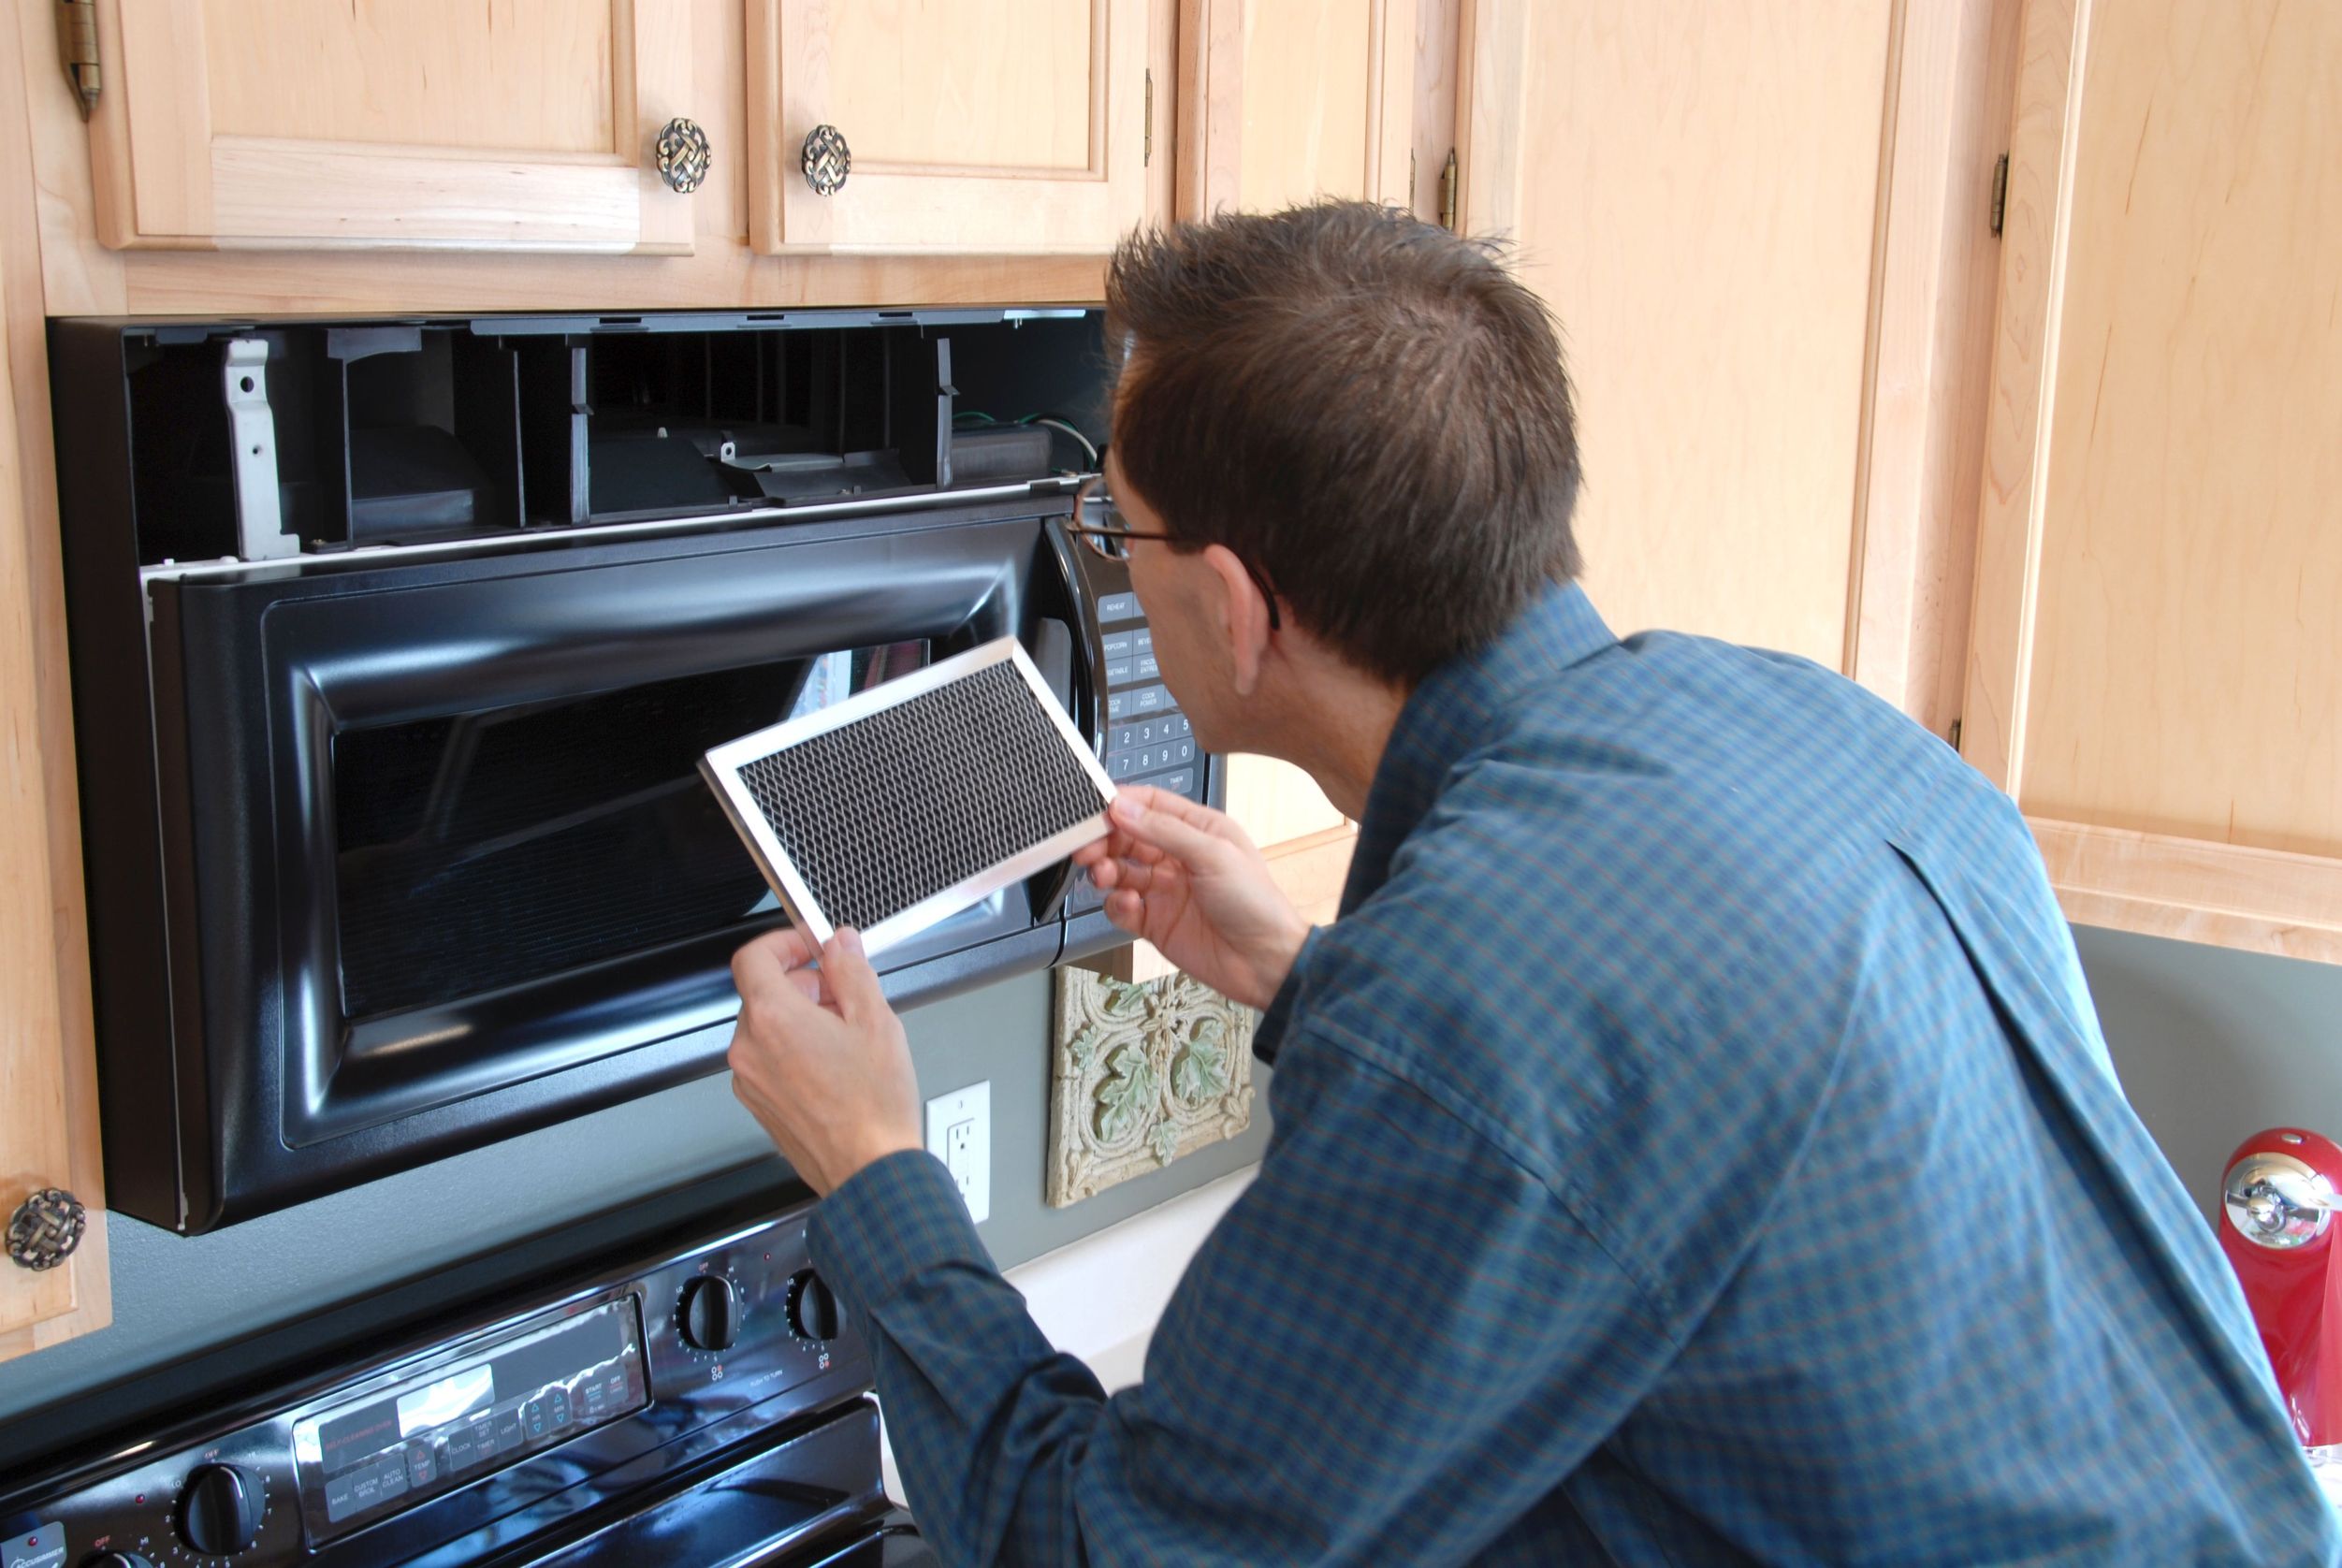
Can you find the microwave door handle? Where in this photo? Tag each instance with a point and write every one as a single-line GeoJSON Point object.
{"type": "Point", "coordinates": [1082, 695]}
{"type": "Point", "coordinates": [1055, 651]}
{"type": "Point", "coordinates": [1054, 655]}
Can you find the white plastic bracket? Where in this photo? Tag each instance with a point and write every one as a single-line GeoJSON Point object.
{"type": "Point", "coordinates": [259, 518]}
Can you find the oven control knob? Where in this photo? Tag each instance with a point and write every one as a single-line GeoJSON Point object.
{"type": "Point", "coordinates": [711, 1313]}
{"type": "Point", "coordinates": [812, 1308]}
{"type": "Point", "coordinates": [220, 1511]}
{"type": "Point", "coordinates": [116, 1560]}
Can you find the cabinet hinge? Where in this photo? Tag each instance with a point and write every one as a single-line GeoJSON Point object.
{"type": "Point", "coordinates": [1410, 180]}
{"type": "Point", "coordinates": [2000, 193]}
{"type": "Point", "coordinates": [1447, 181]}
{"type": "Point", "coordinates": [1953, 736]}
{"type": "Point", "coordinates": [1147, 143]}
{"type": "Point", "coordinates": [76, 45]}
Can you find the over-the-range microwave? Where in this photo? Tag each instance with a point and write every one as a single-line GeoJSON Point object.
{"type": "Point", "coordinates": [394, 645]}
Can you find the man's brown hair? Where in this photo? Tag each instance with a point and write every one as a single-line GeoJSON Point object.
{"type": "Point", "coordinates": [1367, 409]}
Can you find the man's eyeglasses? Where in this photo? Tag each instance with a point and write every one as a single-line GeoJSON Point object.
{"type": "Point", "coordinates": [1111, 538]}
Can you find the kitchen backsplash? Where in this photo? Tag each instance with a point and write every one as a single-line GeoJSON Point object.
{"type": "Point", "coordinates": [2212, 1044]}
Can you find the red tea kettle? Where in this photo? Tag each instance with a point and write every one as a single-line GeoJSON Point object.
{"type": "Point", "coordinates": [2277, 1205]}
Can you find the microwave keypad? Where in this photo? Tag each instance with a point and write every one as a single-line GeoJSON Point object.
{"type": "Point", "coordinates": [1148, 740]}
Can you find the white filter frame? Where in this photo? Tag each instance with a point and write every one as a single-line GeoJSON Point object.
{"type": "Point", "coordinates": [721, 766]}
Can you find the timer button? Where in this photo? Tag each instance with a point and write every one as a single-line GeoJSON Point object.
{"type": "Point", "coordinates": [711, 1313]}
{"type": "Point", "coordinates": [812, 1308]}
{"type": "Point", "coordinates": [220, 1511]}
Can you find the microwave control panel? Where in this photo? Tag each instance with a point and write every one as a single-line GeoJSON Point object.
{"type": "Point", "coordinates": [1144, 738]}
{"type": "Point", "coordinates": [1148, 740]}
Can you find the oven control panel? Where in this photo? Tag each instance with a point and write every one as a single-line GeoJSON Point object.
{"type": "Point", "coordinates": [506, 1425]}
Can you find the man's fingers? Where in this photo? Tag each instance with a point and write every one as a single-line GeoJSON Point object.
{"type": "Point", "coordinates": [772, 967]}
{"type": "Point", "coordinates": [1171, 824]}
{"type": "Point", "coordinates": [851, 980]}
{"type": "Point", "coordinates": [785, 946]}
{"type": "Point", "coordinates": [1127, 909]}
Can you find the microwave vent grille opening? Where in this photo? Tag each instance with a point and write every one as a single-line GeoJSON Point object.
{"type": "Point", "coordinates": [926, 794]}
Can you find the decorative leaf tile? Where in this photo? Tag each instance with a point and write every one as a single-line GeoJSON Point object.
{"type": "Point", "coordinates": [1145, 1074]}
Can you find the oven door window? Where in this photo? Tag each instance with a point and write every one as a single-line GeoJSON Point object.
{"type": "Point", "coordinates": [481, 850]}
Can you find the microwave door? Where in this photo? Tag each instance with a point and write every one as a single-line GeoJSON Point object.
{"type": "Point", "coordinates": [456, 875]}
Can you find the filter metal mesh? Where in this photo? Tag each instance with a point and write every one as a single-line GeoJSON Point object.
{"type": "Point", "coordinates": [890, 810]}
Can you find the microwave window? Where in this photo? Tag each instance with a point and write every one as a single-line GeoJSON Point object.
{"type": "Point", "coordinates": [488, 849]}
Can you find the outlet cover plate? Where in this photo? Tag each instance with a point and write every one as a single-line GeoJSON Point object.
{"type": "Point", "coordinates": [959, 1133]}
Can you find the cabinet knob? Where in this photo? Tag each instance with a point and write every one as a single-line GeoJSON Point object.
{"type": "Point", "coordinates": [45, 1227]}
{"type": "Point", "coordinates": [827, 160]}
{"type": "Point", "coordinates": [683, 155]}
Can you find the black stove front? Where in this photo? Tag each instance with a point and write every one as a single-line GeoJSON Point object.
{"type": "Point", "coordinates": [701, 1403]}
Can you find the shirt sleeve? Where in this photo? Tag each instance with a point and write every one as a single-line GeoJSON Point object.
{"type": "Point", "coordinates": [1392, 1348]}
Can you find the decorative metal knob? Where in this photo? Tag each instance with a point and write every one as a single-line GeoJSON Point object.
{"type": "Point", "coordinates": [46, 1228]}
{"type": "Point", "coordinates": [683, 155]}
{"type": "Point", "coordinates": [827, 160]}
{"type": "Point", "coordinates": [2277, 1202]}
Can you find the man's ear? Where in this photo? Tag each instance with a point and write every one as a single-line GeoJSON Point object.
{"type": "Point", "coordinates": [1244, 614]}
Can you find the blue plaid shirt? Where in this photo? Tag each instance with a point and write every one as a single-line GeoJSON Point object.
{"type": "Point", "coordinates": [1694, 1144]}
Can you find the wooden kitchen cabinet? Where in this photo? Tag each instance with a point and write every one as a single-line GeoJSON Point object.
{"type": "Point", "coordinates": [1693, 188]}
{"type": "Point", "coordinates": [48, 1136]}
{"type": "Point", "coordinates": [1284, 101]}
{"type": "Point", "coordinates": [1011, 127]}
{"type": "Point", "coordinates": [513, 124]}
{"type": "Point", "coordinates": [1765, 232]}
{"type": "Point", "coordinates": [2156, 666]}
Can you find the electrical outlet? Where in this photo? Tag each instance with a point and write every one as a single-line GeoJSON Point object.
{"type": "Point", "coordinates": [959, 1133]}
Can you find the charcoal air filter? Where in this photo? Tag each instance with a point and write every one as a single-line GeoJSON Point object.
{"type": "Point", "coordinates": [911, 801]}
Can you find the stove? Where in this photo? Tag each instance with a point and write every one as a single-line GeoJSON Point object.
{"type": "Point", "coordinates": [696, 1403]}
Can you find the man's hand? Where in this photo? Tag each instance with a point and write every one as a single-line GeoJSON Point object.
{"type": "Point", "coordinates": [819, 1059]}
{"type": "Point", "coordinates": [1185, 877]}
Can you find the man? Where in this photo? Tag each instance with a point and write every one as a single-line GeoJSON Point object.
{"type": "Point", "coordinates": [1693, 1142]}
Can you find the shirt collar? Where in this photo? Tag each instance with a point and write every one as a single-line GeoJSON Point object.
{"type": "Point", "coordinates": [1456, 709]}
{"type": "Point", "coordinates": [1459, 708]}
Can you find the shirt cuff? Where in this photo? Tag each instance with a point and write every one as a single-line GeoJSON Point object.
{"type": "Point", "coordinates": [892, 1220]}
{"type": "Point", "coordinates": [1270, 1031]}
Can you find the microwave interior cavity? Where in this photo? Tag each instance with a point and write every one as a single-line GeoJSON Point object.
{"type": "Point", "coordinates": [409, 432]}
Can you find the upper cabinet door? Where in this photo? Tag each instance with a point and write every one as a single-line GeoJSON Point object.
{"type": "Point", "coordinates": [465, 124]}
{"type": "Point", "coordinates": [1283, 101]}
{"type": "Point", "coordinates": [1693, 187]}
{"type": "Point", "coordinates": [1018, 125]}
{"type": "Point", "coordinates": [2155, 663]}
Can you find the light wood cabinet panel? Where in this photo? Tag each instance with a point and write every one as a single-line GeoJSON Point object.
{"type": "Point", "coordinates": [1275, 802]}
{"type": "Point", "coordinates": [1693, 188]}
{"type": "Point", "coordinates": [1284, 101]}
{"type": "Point", "coordinates": [49, 1129]}
{"type": "Point", "coordinates": [2157, 665]}
{"type": "Point", "coordinates": [1765, 232]}
{"type": "Point", "coordinates": [82, 277]}
{"type": "Point", "coordinates": [1015, 127]}
{"type": "Point", "coordinates": [514, 124]}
